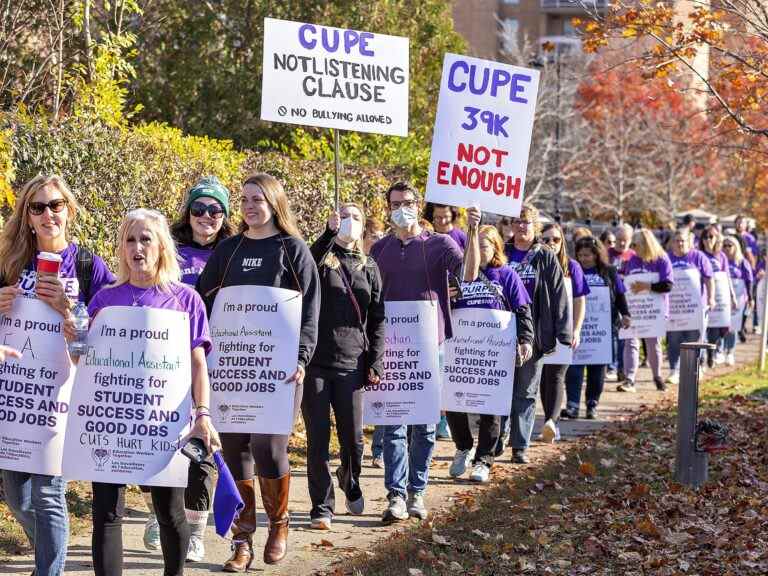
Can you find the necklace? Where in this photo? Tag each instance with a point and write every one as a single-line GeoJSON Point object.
{"type": "Point", "coordinates": [137, 301]}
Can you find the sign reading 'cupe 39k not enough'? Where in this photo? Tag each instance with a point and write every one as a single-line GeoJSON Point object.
{"type": "Point", "coordinates": [482, 135]}
{"type": "Point", "coordinates": [334, 78]}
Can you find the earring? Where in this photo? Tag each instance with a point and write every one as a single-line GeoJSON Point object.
{"type": "Point", "coordinates": [33, 232]}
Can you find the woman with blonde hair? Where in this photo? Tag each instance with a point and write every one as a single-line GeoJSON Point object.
{"type": "Point", "coordinates": [740, 271]}
{"type": "Point", "coordinates": [649, 257]}
{"type": "Point", "coordinates": [268, 251]}
{"type": "Point", "coordinates": [345, 360]}
{"type": "Point", "coordinates": [148, 276]}
{"type": "Point", "coordinates": [42, 217]}
{"type": "Point", "coordinates": [497, 287]}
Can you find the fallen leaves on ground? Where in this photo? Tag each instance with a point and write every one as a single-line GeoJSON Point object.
{"type": "Point", "coordinates": [609, 506]}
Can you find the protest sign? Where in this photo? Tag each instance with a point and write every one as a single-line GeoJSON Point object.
{"type": "Point", "coordinates": [737, 314]}
{"type": "Point", "coordinates": [334, 78]}
{"type": "Point", "coordinates": [479, 366]}
{"type": "Point", "coordinates": [409, 391]}
{"type": "Point", "coordinates": [720, 315]}
{"type": "Point", "coordinates": [482, 135]}
{"type": "Point", "coordinates": [596, 344]}
{"type": "Point", "coordinates": [255, 333]}
{"type": "Point", "coordinates": [686, 304]}
{"type": "Point", "coordinates": [760, 302]}
{"type": "Point", "coordinates": [563, 354]}
{"type": "Point", "coordinates": [131, 400]}
{"type": "Point", "coordinates": [647, 309]}
{"type": "Point", "coordinates": [34, 390]}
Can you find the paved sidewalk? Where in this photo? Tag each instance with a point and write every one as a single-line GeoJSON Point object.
{"type": "Point", "coordinates": [310, 550]}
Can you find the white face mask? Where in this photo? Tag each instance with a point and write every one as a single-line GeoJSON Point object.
{"type": "Point", "coordinates": [404, 217]}
{"type": "Point", "coordinates": [350, 230]}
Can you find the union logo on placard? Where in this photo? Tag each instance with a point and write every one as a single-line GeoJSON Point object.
{"type": "Point", "coordinates": [378, 407]}
{"type": "Point", "coordinates": [223, 410]}
{"type": "Point", "coordinates": [459, 396]}
{"type": "Point", "coordinates": [100, 457]}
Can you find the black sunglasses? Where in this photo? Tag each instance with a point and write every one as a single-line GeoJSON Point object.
{"type": "Point", "coordinates": [551, 240]}
{"type": "Point", "coordinates": [199, 209]}
{"type": "Point", "coordinates": [56, 206]}
{"type": "Point", "coordinates": [707, 236]}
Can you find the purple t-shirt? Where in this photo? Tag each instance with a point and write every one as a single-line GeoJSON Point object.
{"type": "Point", "coordinates": [100, 277]}
{"type": "Point", "coordinates": [751, 243]}
{"type": "Point", "coordinates": [696, 260]}
{"type": "Point", "coordinates": [718, 262]}
{"type": "Point", "coordinates": [418, 270]}
{"type": "Point", "coordinates": [593, 278]}
{"type": "Point", "coordinates": [459, 237]}
{"type": "Point", "coordinates": [579, 286]}
{"type": "Point", "coordinates": [178, 297]}
{"type": "Point", "coordinates": [742, 271]}
{"type": "Point", "coordinates": [636, 265]}
{"type": "Point", "coordinates": [508, 291]}
{"type": "Point", "coordinates": [524, 269]}
{"type": "Point", "coordinates": [192, 260]}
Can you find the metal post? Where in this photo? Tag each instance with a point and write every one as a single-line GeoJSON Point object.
{"type": "Point", "coordinates": [337, 166]}
{"type": "Point", "coordinates": [690, 466]}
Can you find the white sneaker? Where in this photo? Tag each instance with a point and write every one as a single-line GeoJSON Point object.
{"type": "Point", "coordinates": [719, 357]}
{"type": "Point", "coordinates": [196, 549]}
{"type": "Point", "coordinates": [480, 473]}
{"type": "Point", "coordinates": [416, 507]}
{"type": "Point", "coordinates": [549, 432]}
{"type": "Point", "coordinates": [461, 460]}
{"type": "Point", "coordinates": [152, 533]}
{"type": "Point", "coordinates": [321, 523]}
{"type": "Point", "coordinates": [730, 359]}
{"type": "Point", "coordinates": [674, 378]}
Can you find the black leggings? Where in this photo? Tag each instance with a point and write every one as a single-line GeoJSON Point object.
{"type": "Point", "coordinates": [552, 389]}
{"type": "Point", "coordinates": [108, 509]}
{"type": "Point", "coordinates": [342, 391]}
{"type": "Point", "coordinates": [199, 491]}
{"type": "Point", "coordinates": [268, 452]}
{"type": "Point", "coordinates": [488, 435]}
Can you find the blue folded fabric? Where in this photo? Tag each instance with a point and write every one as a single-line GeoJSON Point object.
{"type": "Point", "coordinates": [227, 502]}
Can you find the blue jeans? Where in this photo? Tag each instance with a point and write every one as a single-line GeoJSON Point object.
{"type": "Point", "coordinates": [407, 456]}
{"type": "Point", "coordinates": [38, 503]}
{"type": "Point", "coordinates": [377, 443]}
{"type": "Point", "coordinates": [674, 339]}
{"type": "Point", "coordinates": [729, 342]}
{"type": "Point", "coordinates": [523, 414]}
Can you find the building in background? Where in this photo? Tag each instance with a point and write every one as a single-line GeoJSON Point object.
{"type": "Point", "coordinates": [540, 21]}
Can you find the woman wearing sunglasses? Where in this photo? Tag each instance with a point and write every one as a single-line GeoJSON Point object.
{"type": "Point", "coordinates": [741, 272]}
{"type": "Point", "coordinates": [593, 257]}
{"type": "Point", "coordinates": [44, 211]}
{"type": "Point", "coordinates": [711, 243]}
{"type": "Point", "coordinates": [202, 224]}
{"type": "Point", "coordinates": [553, 375]}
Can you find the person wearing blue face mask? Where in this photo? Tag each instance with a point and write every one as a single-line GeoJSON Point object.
{"type": "Point", "coordinates": [415, 265]}
{"type": "Point", "coordinates": [347, 357]}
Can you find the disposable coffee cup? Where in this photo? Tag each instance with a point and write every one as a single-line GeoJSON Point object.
{"type": "Point", "coordinates": [48, 263]}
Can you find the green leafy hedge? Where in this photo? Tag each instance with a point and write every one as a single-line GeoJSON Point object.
{"type": "Point", "coordinates": [114, 169]}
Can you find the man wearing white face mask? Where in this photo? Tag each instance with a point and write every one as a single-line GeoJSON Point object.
{"type": "Point", "coordinates": [347, 356]}
{"type": "Point", "coordinates": [416, 265]}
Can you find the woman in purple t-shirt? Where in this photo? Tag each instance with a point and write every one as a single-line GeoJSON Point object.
{"type": "Point", "coordinates": [649, 257]}
{"type": "Point", "coordinates": [44, 212]}
{"type": "Point", "coordinates": [740, 270]}
{"type": "Point", "coordinates": [148, 275]}
{"type": "Point", "coordinates": [202, 224]}
{"type": "Point", "coordinates": [498, 287]}
{"type": "Point", "coordinates": [553, 375]}
{"type": "Point", "coordinates": [711, 243]}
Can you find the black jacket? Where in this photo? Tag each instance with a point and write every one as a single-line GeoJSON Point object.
{"type": "Point", "coordinates": [618, 301]}
{"type": "Point", "coordinates": [550, 302]}
{"type": "Point", "coordinates": [280, 261]}
{"type": "Point", "coordinates": [345, 344]}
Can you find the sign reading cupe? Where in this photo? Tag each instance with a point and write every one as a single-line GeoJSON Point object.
{"type": "Point", "coordinates": [334, 78]}
{"type": "Point", "coordinates": [482, 135]}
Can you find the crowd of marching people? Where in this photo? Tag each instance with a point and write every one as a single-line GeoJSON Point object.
{"type": "Point", "coordinates": [537, 270]}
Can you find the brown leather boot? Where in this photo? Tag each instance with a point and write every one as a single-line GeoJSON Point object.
{"type": "Point", "coordinates": [242, 530]}
{"type": "Point", "coordinates": [274, 496]}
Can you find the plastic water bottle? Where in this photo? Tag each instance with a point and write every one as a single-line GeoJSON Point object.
{"type": "Point", "coordinates": [79, 345]}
